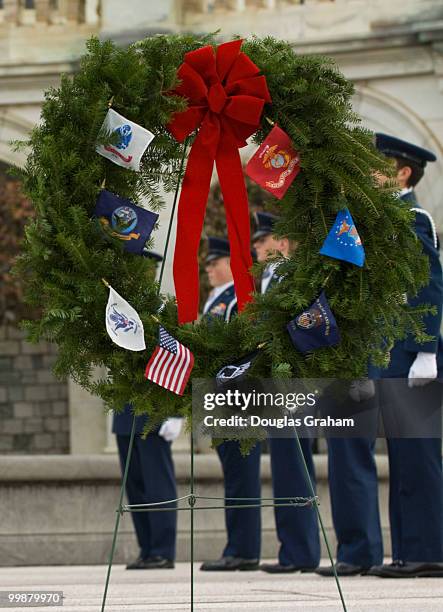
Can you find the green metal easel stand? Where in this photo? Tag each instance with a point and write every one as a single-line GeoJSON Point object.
{"type": "Point", "coordinates": [191, 498]}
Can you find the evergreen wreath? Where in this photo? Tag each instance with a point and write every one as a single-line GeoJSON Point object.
{"type": "Point", "coordinates": [65, 254]}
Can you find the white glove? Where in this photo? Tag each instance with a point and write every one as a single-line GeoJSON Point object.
{"type": "Point", "coordinates": [423, 370]}
{"type": "Point", "coordinates": [171, 428]}
{"type": "Point", "coordinates": [361, 389]}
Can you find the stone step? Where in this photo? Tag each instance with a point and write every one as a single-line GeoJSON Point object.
{"type": "Point", "coordinates": [60, 509]}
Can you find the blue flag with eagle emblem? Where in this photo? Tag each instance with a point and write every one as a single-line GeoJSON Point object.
{"type": "Point", "coordinates": [122, 219]}
{"type": "Point", "coordinates": [315, 327]}
{"type": "Point", "coordinates": [343, 241]}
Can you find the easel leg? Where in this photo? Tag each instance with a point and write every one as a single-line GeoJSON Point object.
{"type": "Point", "coordinates": [192, 502]}
{"type": "Point", "coordinates": [320, 520]}
{"type": "Point", "coordinates": [119, 512]}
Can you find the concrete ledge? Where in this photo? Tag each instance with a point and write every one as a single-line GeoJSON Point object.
{"type": "Point", "coordinates": [43, 468]}
{"type": "Point", "coordinates": [86, 468]}
{"type": "Point", "coordinates": [60, 509]}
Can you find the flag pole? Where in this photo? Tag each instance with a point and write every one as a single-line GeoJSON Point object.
{"type": "Point", "coordinates": [171, 218]}
{"type": "Point", "coordinates": [119, 510]}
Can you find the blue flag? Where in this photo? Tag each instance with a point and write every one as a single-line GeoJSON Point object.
{"type": "Point", "coordinates": [343, 241]}
{"type": "Point", "coordinates": [314, 327]}
{"type": "Point", "coordinates": [123, 219]}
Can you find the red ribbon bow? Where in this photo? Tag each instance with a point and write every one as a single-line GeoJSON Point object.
{"type": "Point", "coordinates": [226, 95]}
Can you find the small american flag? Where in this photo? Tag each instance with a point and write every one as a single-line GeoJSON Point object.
{"type": "Point", "coordinates": [170, 364]}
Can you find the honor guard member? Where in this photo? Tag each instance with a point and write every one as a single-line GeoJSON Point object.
{"type": "Point", "coordinates": [222, 301]}
{"type": "Point", "coordinates": [150, 479]}
{"type": "Point", "coordinates": [415, 464]}
{"type": "Point", "coordinates": [241, 473]}
{"type": "Point", "coordinates": [297, 528]}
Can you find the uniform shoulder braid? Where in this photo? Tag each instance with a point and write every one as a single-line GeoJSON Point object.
{"type": "Point", "coordinates": [428, 216]}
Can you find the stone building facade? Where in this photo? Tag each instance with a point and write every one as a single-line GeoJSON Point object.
{"type": "Point", "coordinates": [34, 413]}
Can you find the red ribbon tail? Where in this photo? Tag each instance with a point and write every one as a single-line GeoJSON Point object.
{"type": "Point", "coordinates": [235, 197]}
{"type": "Point", "coordinates": [190, 218]}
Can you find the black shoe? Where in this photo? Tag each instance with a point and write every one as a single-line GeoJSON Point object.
{"type": "Point", "coordinates": [277, 568]}
{"type": "Point", "coordinates": [230, 564]}
{"type": "Point", "coordinates": [151, 563]}
{"type": "Point", "coordinates": [342, 569]}
{"type": "Point", "coordinates": [400, 569]}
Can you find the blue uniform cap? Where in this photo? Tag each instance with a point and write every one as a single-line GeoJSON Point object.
{"type": "Point", "coordinates": [397, 148]}
{"type": "Point", "coordinates": [217, 247]}
{"type": "Point", "coordinates": [265, 224]}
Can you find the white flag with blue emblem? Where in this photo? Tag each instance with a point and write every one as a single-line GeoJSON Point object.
{"type": "Point", "coordinates": [131, 140]}
{"type": "Point", "coordinates": [123, 324]}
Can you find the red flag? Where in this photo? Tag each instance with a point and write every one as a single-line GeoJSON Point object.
{"type": "Point", "coordinates": [275, 164]}
{"type": "Point", "coordinates": [171, 363]}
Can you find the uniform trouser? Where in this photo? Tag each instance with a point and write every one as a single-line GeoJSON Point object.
{"type": "Point", "coordinates": [297, 527]}
{"type": "Point", "coordinates": [242, 480]}
{"type": "Point", "coordinates": [416, 499]}
{"type": "Point", "coordinates": [353, 486]}
{"type": "Point", "coordinates": [416, 484]}
{"type": "Point", "coordinates": [416, 480]}
{"type": "Point", "coordinates": [151, 479]}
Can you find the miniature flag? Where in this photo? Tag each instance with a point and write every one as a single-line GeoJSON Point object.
{"type": "Point", "coordinates": [236, 371]}
{"type": "Point", "coordinates": [275, 164]}
{"type": "Point", "coordinates": [171, 363]}
{"type": "Point", "coordinates": [132, 141]}
{"type": "Point", "coordinates": [315, 327]}
{"type": "Point", "coordinates": [343, 241]}
{"type": "Point", "coordinates": [124, 220]}
{"type": "Point", "coordinates": [123, 323]}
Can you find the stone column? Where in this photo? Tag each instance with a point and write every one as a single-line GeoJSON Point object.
{"type": "Point", "coordinates": [91, 12]}
{"type": "Point", "coordinates": [236, 5]}
{"type": "Point", "coordinates": [268, 4]}
{"type": "Point", "coordinates": [88, 424]}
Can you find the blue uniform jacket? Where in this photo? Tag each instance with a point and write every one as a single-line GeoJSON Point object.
{"type": "Point", "coordinates": [223, 306]}
{"type": "Point", "coordinates": [404, 352]}
{"type": "Point", "coordinates": [122, 422]}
